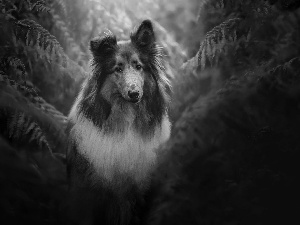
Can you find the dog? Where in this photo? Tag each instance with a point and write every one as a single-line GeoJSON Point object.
{"type": "Point", "coordinates": [116, 125]}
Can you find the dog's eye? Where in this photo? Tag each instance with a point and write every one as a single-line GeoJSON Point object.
{"type": "Point", "coordinates": [119, 70]}
{"type": "Point", "coordinates": [138, 67]}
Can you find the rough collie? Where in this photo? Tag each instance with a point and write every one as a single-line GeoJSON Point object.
{"type": "Point", "coordinates": [116, 124]}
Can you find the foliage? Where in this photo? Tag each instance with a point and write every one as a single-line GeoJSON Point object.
{"type": "Point", "coordinates": [234, 67]}
{"type": "Point", "coordinates": [33, 186]}
{"type": "Point", "coordinates": [214, 43]}
{"type": "Point", "coordinates": [232, 155]}
{"type": "Point", "coordinates": [46, 45]}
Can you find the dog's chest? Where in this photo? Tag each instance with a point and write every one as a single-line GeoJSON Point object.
{"type": "Point", "coordinates": [119, 154]}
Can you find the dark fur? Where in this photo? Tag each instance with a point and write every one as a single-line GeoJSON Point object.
{"type": "Point", "coordinates": [153, 104]}
{"type": "Point", "coordinates": [96, 203]}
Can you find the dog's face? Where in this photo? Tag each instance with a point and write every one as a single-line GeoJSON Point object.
{"type": "Point", "coordinates": [125, 64]}
{"type": "Point", "coordinates": [128, 77]}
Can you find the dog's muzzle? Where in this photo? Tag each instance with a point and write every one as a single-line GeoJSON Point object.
{"type": "Point", "coordinates": [133, 96]}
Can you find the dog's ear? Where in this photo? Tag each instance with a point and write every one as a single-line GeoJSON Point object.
{"type": "Point", "coordinates": [144, 35]}
{"type": "Point", "coordinates": [103, 45]}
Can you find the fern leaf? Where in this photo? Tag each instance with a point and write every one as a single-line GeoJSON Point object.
{"type": "Point", "coordinates": [214, 43]}
{"type": "Point", "coordinates": [30, 127]}
{"type": "Point", "coordinates": [7, 8]}
{"type": "Point", "coordinates": [290, 68]}
{"type": "Point", "coordinates": [27, 90]}
{"type": "Point", "coordinates": [39, 38]}
{"type": "Point", "coordinates": [21, 126]}
{"type": "Point", "coordinates": [262, 10]}
{"type": "Point", "coordinates": [16, 65]}
{"type": "Point", "coordinates": [30, 94]}
{"type": "Point", "coordinates": [20, 122]}
{"type": "Point", "coordinates": [39, 6]}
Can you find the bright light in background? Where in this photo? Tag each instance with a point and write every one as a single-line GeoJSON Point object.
{"type": "Point", "coordinates": [171, 19]}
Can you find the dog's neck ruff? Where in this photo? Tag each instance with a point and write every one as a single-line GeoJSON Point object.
{"type": "Point", "coordinates": [118, 155]}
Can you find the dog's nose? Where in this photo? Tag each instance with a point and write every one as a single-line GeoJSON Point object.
{"type": "Point", "coordinates": [133, 95]}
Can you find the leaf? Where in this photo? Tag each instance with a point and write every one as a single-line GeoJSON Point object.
{"type": "Point", "coordinates": [213, 44]}
{"type": "Point", "coordinates": [33, 99]}
{"type": "Point", "coordinates": [21, 125]}
{"type": "Point", "coordinates": [40, 39]}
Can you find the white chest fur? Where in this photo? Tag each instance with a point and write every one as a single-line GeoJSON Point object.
{"type": "Point", "coordinates": [113, 154]}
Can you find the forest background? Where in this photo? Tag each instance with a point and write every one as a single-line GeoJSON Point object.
{"type": "Point", "coordinates": [235, 68]}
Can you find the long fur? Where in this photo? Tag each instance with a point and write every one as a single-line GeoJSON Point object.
{"type": "Point", "coordinates": [113, 143]}
{"type": "Point", "coordinates": [121, 153]}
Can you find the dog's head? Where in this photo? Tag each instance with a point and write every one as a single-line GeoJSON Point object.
{"type": "Point", "coordinates": [125, 69]}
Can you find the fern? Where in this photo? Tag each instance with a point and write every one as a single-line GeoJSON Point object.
{"type": "Point", "coordinates": [280, 77]}
{"type": "Point", "coordinates": [32, 98]}
{"type": "Point", "coordinates": [39, 38]}
{"type": "Point", "coordinates": [26, 121]}
{"type": "Point", "coordinates": [15, 66]}
{"type": "Point", "coordinates": [262, 10]}
{"type": "Point", "coordinates": [292, 64]}
{"type": "Point", "coordinates": [28, 37]}
{"type": "Point", "coordinates": [21, 125]}
{"type": "Point", "coordinates": [213, 45]}
{"type": "Point", "coordinates": [39, 6]}
{"type": "Point", "coordinates": [7, 7]}
{"type": "Point", "coordinates": [286, 74]}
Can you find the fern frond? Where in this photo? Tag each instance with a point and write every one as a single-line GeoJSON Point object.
{"type": "Point", "coordinates": [286, 72]}
{"type": "Point", "coordinates": [262, 10]}
{"type": "Point", "coordinates": [294, 63]}
{"type": "Point", "coordinates": [6, 8]}
{"type": "Point", "coordinates": [14, 64]}
{"type": "Point", "coordinates": [32, 98]}
{"type": "Point", "coordinates": [213, 45]}
{"type": "Point", "coordinates": [47, 127]}
{"type": "Point", "coordinates": [26, 90]}
{"type": "Point", "coordinates": [35, 36]}
{"type": "Point", "coordinates": [40, 6]}
{"type": "Point", "coordinates": [280, 77]}
{"type": "Point", "coordinates": [21, 126]}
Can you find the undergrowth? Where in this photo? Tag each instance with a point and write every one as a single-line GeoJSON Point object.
{"type": "Point", "coordinates": [234, 67]}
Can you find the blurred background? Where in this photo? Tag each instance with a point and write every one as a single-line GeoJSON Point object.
{"type": "Point", "coordinates": [235, 70]}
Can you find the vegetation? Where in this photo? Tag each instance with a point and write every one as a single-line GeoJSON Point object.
{"type": "Point", "coordinates": [235, 66]}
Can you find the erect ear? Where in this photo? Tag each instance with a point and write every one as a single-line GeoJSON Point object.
{"type": "Point", "coordinates": [144, 35]}
{"type": "Point", "coordinates": [103, 45]}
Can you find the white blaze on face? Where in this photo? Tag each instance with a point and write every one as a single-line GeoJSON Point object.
{"type": "Point", "coordinates": [125, 154]}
